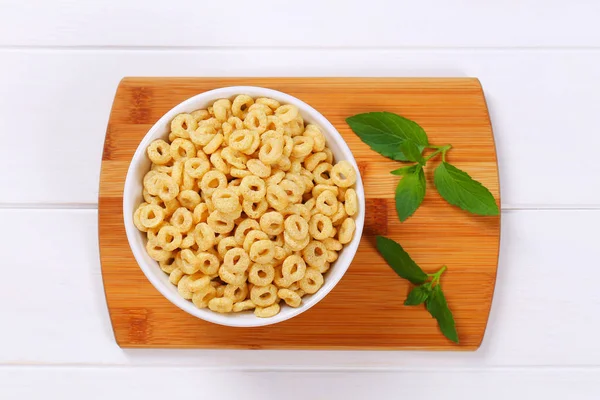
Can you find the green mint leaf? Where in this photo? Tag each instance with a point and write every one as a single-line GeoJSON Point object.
{"type": "Point", "coordinates": [459, 189]}
{"type": "Point", "coordinates": [418, 295]}
{"type": "Point", "coordinates": [438, 308]}
{"type": "Point", "coordinates": [400, 261]}
{"type": "Point", "coordinates": [404, 170]}
{"type": "Point", "coordinates": [410, 192]}
{"type": "Point", "coordinates": [384, 132]}
{"type": "Point", "coordinates": [412, 151]}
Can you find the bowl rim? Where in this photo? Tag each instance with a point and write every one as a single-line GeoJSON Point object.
{"type": "Point", "coordinates": [330, 133]}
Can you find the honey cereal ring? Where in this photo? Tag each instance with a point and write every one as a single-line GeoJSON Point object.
{"type": "Point", "coordinates": [226, 244]}
{"type": "Point", "coordinates": [331, 257]}
{"type": "Point", "coordinates": [332, 244]}
{"type": "Point", "coordinates": [239, 173]}
{"type": "Point", "coordinates": [234, 157]}
{"type": "Point", "coordinates": [339, 216]}
{"type": "Point", "coordinates": [175, 276]}
{"type": "Point", "coordinates": [293, 191]}
{"type": "Point", "coordinates": [312, 281]}
{"type": "Point", "coordinates": [211, 181]}
{"type": "Point", "coordinates": [327, 203]}
{"type": "Point", "coordinates": [226, 200]}
{"type": "Point", "coordinates": [297, 209]}
{"type": "Point", "coordinates": [293, 268]}
{"type": "Point", "coordinates": [208, 263]}
{"type": "Point", "coordinates": [188, 240]}
{"type": "Point", "coordinates": [177, 171]}
{"type": "Point", "coordinates": [297, 179]}
{"type": "Point", "coordinates": [290, 297]}
{"type": "Point", "coordinates": [315, 254]}
{"type": "Point", "coordinates": [343, 174]}
{"type": "Point", "coordinates": [263, 296]}
{"type": "Point", "coordinates": [295, 245]}
{"type": "Point", "coordinates": [188, 183]}
{"type": "Point", "coordinates": [188, 199]}
{"type": "Point", "coordinates": [255, 210]}
{"type": "Point", "coordinates": [271, 151]}
{"type": "Point", "coordinates": [271, 103]}
{"type": "Point", "coordinates": [214, 144]}
{"type": "Point", "coordinates": [277, 197]}
{"type": "Point", "coordinates": [258, 168]}
{"type": "Point", "coordinates": [222, 109]}
{"type": "Point", "coordinates": [286, 113]}
{"type": "Point", "coordinates": [240, 105]}
{"type": "Point", "coordinates": [220, 290]}
{"type": "Point", "coordinates": [320, 188]}
{"type": "Point", "coordinates": [233, 278]}
{"type": "Point", "coordinates": [196, 167]}
{"type": "Point", "coordinates": [256, 120]}
{"type": "Point", "coordinates": [219, 163]}
{"type": "Point", "coordinates": [296, 227]}
{"type": "Point", "coordinates": [261, 274]}
{"type": "Point", "coordinates": [183, 124]}
{"type": "Point", "coordinates": [188, 263]}
{"type": "Point", "coordinates": [310, 203]}
{"type": "Point", "coordinates": [200, 213]}
{"type": "Point", "coordinates": [311, 162]}
{"type": "Point", "coordinates": [204, 236]}
{"type": "Point", "coordinates": [315, 133]}
{"type": "Point", "coordinates": [182, 148]}
{"type": "Point", "coordinates": [295, 127]}
{"type": "Point", "coordinates": [156, 252]}
{"type": "Point", "coordinates": [159, 152]}
{"type": "Point", "coordinates": [149, 178]}
{"type": "Point", "coordinates": [284, 163]}
{"type": "Point", "coordinates": [351, 202]}
{"type": "Point", "coordinates": [200, 115]}
{"type": "Point", "coordinates": [203, 296]}
{"type": "Point", "coordinates": [169, 238]}
{"type": "Point", "coordinates": [165, 169]}
{"type": "Point", "coordinates": [197, 282]}
{"type": "Point", "coordinates": [303, 146]}
{"type": "Point", "coordinates": [320, 226]}
{"type": "Point", "coordinates": [221, 222]}
{"type": "Point", "coordinates": [329, 155]}
{"type": "Point", "coordinates": [243, 306]}
{"type": "Point", "coordinates": [275, 124]}
{"type": "Point", "coordinates": [151, 215]}
{"type": "Point", "coordinates": [204, 134]}
{"type": "Point", "coordinates": [342, 194]}
{"type": "Point", "coordinates": [168, 266]}
{"type": "Point", "coordinates": [253, 188]}
{"type": "Point", "coordinates": [244, 228]}
{"type": "Point", "coordinates": [322, 174]}
{"type": "Point", "coordinates": [262, 251]}
{"type": "Point", "coordinates": [346, 231]}
{"type": "Point", "coordinates": [271, 223]}
{"type": "Point", "coordinates": [240, 140]}
{"type": "Point", "coordinates": [280, 254]}
{"type": "Point", "coordinates": [237, 293]}
{"type": "Point", "coordinates": [221, 304]}
{"type": "Point", "coordinates": [165, 187]}
{"type": "Point", "coordinates": [260, 107]}
{"type": "Point", "coordinates": [137, 220]}
{"type": "Point", "coordinates": [236, 260]}
{"type": "Point", "coordinates": [254, 145]}
{"type": "Point", "coordinates": [252, 237]}
{"type": "Point", "coordinates": [296, 166]}
{"type": "Point", "coordinates": [183, 288]}
{"type": "Point", "coordinates": [276, 177]}
{"type": "Point", "coordinates": [267, 312]}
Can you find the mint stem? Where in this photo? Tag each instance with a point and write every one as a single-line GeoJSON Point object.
{"type": "Point", "coordinates": [436, 276]}
{"type": "Point", "coordinates": [439, 149]}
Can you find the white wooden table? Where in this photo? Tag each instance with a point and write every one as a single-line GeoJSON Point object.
{"type": "Point", "coordinates": [60, 62]}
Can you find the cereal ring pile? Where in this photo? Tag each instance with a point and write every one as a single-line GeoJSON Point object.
{"type": "Point", "coordinates": [245, 207]}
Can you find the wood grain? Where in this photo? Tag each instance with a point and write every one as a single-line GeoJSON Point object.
{"type": "Point", "coordinates": [365, 309]}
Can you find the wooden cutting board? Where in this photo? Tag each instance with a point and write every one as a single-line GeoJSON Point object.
{"type": "Point", "coordinates": [365, 310]}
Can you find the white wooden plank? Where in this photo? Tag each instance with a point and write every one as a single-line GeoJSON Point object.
{"type": "Point", "coordinates": [53, 308]}
{"type": "Point", "coordinates": [319, 23]}
{"type": "Point", "coordinates": [543, 113]}
{"type": "Point", "coordinates": [161, 383]}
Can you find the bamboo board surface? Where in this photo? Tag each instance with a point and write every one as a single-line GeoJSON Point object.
{"type": "Point", "coordinates": [365, 310]}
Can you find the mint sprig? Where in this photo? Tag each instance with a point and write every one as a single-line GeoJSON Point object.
{"type": "Point", "coordinates": [429, 289]}
{"type": "Point", "coordinates": [401, 139]}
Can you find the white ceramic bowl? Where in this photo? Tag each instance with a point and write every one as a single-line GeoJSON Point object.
{"type": "Point", "coordinates": [132, 197]}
